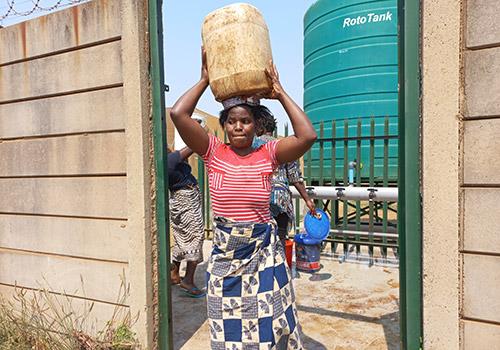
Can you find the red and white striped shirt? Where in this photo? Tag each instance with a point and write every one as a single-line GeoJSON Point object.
{"type": "Point", "coordinates": [240, 187]}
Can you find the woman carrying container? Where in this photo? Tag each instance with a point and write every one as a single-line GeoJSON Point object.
{"type": "Point", "coordinates": [250, 300]}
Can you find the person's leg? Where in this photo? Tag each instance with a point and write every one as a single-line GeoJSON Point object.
{"type": "Point", "coordinates": [282, 221]}
{"type": "Point", "coordinates": [175, 277]}
{"type": "Point", "coordinates": [187, 282]}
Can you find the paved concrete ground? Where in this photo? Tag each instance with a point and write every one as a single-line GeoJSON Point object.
{"type": "Point", "coordinates": [345, 306]}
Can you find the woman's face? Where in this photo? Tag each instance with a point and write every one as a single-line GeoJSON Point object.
{"type": "Point", "coordinates": [240, 127]}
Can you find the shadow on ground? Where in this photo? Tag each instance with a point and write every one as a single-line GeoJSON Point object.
{"type": "Point", "coordinates": [386, 321]}
{"type": "Point", "coordinates": [349, 306]}
{"type": "Point", "coordinates": [188, 314]}
{"type": "Point", "coordinates": [310, 344]}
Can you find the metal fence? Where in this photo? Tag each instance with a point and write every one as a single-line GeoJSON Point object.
{"type": "Point", "coordinates": [362, 153]}
{"type": "Point", "coordinates": [205, 193]}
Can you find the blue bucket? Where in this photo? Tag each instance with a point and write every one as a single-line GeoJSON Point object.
{"type": "Point", "coordinates": [307, 253]}
{"type": "Point", "coordinates": [317, 226]}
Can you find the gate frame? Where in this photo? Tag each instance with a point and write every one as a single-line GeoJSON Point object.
{"type": "Point", "coordinates": [158, 88]}
{"type": "Point", "coordinates": [410, 197]}
{"type": "Point", "coordinates": [410, 207]}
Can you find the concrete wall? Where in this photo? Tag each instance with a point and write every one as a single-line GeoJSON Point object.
{"type": "Point", "coordinates": [460, 174]}
{"type": "Point", "coordinates": [480, 170]}
{"type": "Point", "coordinates": [74, 166]}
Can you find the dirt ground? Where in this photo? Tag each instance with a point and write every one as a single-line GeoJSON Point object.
{"type": "Point", "coordinates": [344, 306]}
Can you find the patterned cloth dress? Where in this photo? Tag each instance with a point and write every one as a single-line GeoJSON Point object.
{"type": "Point", "coordinates": [250, 298]}
{"type": "Point", "coordinates": [186, 218]}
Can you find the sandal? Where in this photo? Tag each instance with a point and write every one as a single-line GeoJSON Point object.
{"type": "Point", "coordinates": [194, 292]}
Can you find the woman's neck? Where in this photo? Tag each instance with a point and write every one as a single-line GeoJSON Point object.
{"type": "Point", "coordinates": [242, 151]}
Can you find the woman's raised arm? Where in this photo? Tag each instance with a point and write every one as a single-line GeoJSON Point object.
{"type": "Point", "coordinates": [292, 147]}
{"type": "Point", "coordinates": [192, 133]}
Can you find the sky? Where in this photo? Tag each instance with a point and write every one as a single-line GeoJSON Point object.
{"type": "Point", "coordinates": [182, 21]}
{"type": "Point", "coordinates": [24, 10]}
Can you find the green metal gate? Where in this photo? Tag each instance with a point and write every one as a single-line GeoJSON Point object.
{"type": "Point", "coordinates": [165, 341]}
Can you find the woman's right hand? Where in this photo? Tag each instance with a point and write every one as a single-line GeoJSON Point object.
{"type": "Point", "coordinates": [204, 67]}
{"type": "Point", "coordinates": [190, 131]}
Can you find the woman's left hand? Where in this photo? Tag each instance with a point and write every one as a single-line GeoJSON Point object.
{"type": "Point", "coordinates": [273, 77]}
{"type": "Point", "coordinates": [204, 66]}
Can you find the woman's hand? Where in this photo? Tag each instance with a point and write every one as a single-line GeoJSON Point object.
{"type": "Point", "coordinates": [311, 206]}
{"type": "Point", "coordinates": [204, 67]}
{"type": "Point", "coordinates": [277, 90]}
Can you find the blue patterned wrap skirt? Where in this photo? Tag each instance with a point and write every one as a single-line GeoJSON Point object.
{"type": "Point", "coordinates": [250, 298]}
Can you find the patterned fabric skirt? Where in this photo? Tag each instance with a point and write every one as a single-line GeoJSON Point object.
{"type": "Point", "coordinates": [250, 298]}
{"type": "Point", "coordinates": [186, 218]}
{"type": "Point", "coordinates": [281, 202]}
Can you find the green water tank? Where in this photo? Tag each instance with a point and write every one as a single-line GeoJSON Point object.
{"type": "Point", "coordinates": [351, 78]}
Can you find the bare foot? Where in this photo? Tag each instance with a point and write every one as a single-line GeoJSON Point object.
{"type": "Point", "coordinates": [175, 278]}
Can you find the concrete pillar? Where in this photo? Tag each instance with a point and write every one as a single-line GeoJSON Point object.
{"type": "Point", "coordinates": [441, 115]}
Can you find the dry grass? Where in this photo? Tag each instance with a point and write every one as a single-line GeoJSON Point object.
{"type": "Point", "coordinates": [41, 320]}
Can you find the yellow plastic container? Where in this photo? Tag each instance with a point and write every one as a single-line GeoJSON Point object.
{"type": "Point", "coordinates": [236, 41]}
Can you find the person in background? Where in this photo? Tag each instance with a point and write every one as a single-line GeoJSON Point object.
{"type": "Point", "coordinates": [286, 174]}
{"type": "Point", "coordinates": [186, 218]}
{"type": "Point", "coordinates": [250, 298]}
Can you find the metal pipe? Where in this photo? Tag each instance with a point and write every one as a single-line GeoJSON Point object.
{"type": "Point", "coordinates": [352, 166]}
{"type": "Point", "coordinates": [364, 233]}
{"type": "Point", "coordinates": [367, 243]}
{"type": "Point", "coordinates": [377, 194]}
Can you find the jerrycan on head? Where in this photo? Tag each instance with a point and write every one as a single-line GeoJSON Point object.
{"type": "Point", "coordinates": [236, 41]}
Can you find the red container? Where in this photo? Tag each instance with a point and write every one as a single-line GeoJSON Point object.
{"type": "Point", "coordinates": [289, 251]}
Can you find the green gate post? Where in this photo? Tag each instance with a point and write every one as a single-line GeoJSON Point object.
{"type": "Point", "coordinates": [160, 148]}
{"type": "Point", "coordinates": [201, 184]}
{"type": "Point", "coordinates": [359, 136]}
{"type": "Point", "coordinates": [385, 182]}
{"type": "Point", "coordinates": [409, 207]}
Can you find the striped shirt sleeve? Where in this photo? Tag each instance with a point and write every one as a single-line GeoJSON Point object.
{"type": "Point", "coordinates": [213, 144]}
{"type": "Point", "coordinates": [271, 149]}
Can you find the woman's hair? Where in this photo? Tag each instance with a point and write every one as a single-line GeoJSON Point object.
{"type": "Point", "coordinates": [259, 113]}
{"type": "Point", "coordinates": [267, 123]}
